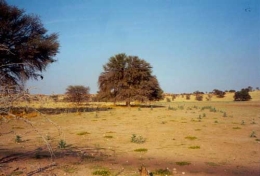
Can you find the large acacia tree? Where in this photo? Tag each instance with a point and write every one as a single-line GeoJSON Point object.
{"type": "Point", "coordinates": [26, 49]}
{"type": "Point", "coordinates": [128, 78]}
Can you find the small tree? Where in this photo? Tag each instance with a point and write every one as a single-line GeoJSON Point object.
{"type": "Point", "coordinates": [77, 94]}
{"type": "Point", "coordinates": [242, 95]}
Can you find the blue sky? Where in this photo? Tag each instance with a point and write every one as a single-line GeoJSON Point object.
{"type": "Point", "coordinates": [191, 44]}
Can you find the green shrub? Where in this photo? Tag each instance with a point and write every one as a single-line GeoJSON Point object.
{"type": "Point", "coordinates": [102, 172]}
{"type": "Point", "coordinates": [18, 139]}
{"type": "Point", "coordinates": [62, 144]}
{"type": "Point", "coordinates": [191, 137]}
{"type": "Point", "coordinates": [253, 134]}
{"type": "Point", "coordinates": [141, 150]}
{"type": "Point", "coordinates": [194, 147]}
{"type": "Point", "coordinates": [162, 172]}
{"type": "Point", "coordinates": [110, 137]}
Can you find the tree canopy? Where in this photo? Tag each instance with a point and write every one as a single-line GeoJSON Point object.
{"type": "Point", "coordinates": [25, 47]}
{"type": "Point", "coordinates": [128, 78]}
{"type": "Point", "coordinates": [77, 94]}
{"type": "Point", "coordinates": [242, 95]}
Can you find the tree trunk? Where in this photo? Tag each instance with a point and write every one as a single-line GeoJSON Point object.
{"type": "Point", "coordinates": [127, 103]}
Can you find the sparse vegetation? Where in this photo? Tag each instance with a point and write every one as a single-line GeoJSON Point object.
{"type": "Point", "coordinates": [212, 164]}
{"type": "Point", "coordinates": [172, 108]}
{"type": "Point", "coordinates": [109, 137]}
{"type": "Point", "coordinates": [236, 128]}
{"type": "Point", "coordinates": [183, 163]}
{"type": "Point", "coordinates": [83, 133]}
{"type": "Point", "coordinates": [69, 169]}
{"type": "Point", "coordinates": [162, 172]}
{"type": "Point", "coordinates": [18, 139]}
{"type": "Point", "coordinates": [102, 172]}
{"type": "Point", "coordinates": [62, 144]}
{"type": "Point", "coordinates": [141, 150]}
{"type": "Point", "coordinates": [138, 139]}
{"type": "Point", "coordinates": [194, 147]}
{"type": "Point", "coordinates": [191, 137]}
{"type": "Point", "coordinates": [253, 134]}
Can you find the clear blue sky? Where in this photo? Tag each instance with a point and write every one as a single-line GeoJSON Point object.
{"type": "Point", "coordinates": [191, 44]}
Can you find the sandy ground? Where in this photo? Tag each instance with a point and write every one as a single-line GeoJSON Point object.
{"type": "Point", "coordinates": [208, 142]}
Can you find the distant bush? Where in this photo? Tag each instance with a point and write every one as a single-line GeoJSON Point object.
{"type": "Point", "coordinates": [199, 97]}
{"type": "Point", "coordinates": [198, 92]}
{"type": "Point", "coordinates": [168, 99]}
{"type": "Point", "coordinates": [187, 96]}
{"type": "Point", "coordinates": [242, 95]}
{"type": "Point", "coordinates": [219, 93]}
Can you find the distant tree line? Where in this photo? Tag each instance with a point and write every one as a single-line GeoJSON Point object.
{"type": "Point", "coordinates": [242, 95]}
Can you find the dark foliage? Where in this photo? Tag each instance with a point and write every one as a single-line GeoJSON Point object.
{"type": "Point", "coordinates": [199, 97]}
{"type": "Point", "coordinates": [128, 78]}
{"type": "Point", "coordinates": [25, 47]}
{"type": "Point", "coordinates": [219, 93]}
{"type": "Point", "coordinates": [232, 91]}
{"type": "Point", "coordinates": [77, 94]}
{"type": "Point", "coordinates": [187, 96]}
{"type": "Point", "coordinates": [250, 88]}
{"type": "Point", "coordinates": [198, 92]}
{"type": "Point", "coordinates": [242, 95]}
